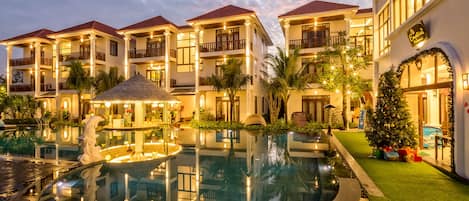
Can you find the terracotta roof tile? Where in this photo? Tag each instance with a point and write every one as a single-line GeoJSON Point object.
{"type": "Point", "coordinates": [41, 33]}
{"type": "Point", "coordinates": [91, 25]}
{"type": "Point", "coordinates": [151, 22]}
{"type": "Point", "coordinates": [365, 10]}
{"type": "Point", "coordinates": [317, 7]}
{"type": "Point", "coordinates": [229, 10]}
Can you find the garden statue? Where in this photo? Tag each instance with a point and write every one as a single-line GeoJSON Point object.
{"type": "Point", "coordinates": [91, 152]}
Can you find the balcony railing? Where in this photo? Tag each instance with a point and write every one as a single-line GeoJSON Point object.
{"type": "Point", "coordinates": [30, 61]}
{"type": "Point", "coordinates": [64, 86]}
{"type": "Point", "coordinates": [82, 56]}
{"type": "Point", "coordinates": [173, 53]}
{"type": "Point", "coordinates": [46, 61]}
{"type": "Point", "coordinates": [203, 81]}
{"type": "Point", "coordinates": [317, 42]}
{"type": "Point", "coordinates": [154, 52]}
{"type": "Point", "coordinates": [22, 61]}
{"type": "Point", "coordinates": [222, 46]}
{"type": "Point", "coordinates": [21, 87]}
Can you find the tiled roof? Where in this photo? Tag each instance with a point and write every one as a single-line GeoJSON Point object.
{"type": "Point", "coordinates": [151, 22]}
{"type": "Point", "coordinates": [365, 10]}
{"type": "Point", "coordinates": [229, 10]}
{"type": "Point", "coordinates": [318, 7]}
{"type": "Point", "coordinates": [184, 27]}
{"type": "Point", "coordinates": [91, 25]}
{"type": "Point", "coordinates": [41, 33]}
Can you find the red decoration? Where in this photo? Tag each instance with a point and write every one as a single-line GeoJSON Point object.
{"type": "Point", "coordinates": [466, 104]}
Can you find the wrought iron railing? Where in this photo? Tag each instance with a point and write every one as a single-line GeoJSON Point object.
{"type": "Point", "coordinates": [222, 46]}
{"type": "Point", "coordinates": [317, 42]}
{"type": "Point", "coordinates": [153, 52]}
{"type": "Point", "coordinates": [22, 61]}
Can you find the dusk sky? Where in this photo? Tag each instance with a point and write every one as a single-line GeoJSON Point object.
{"type": "Point", "coordinates": [23, 16]}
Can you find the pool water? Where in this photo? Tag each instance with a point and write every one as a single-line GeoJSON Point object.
{"type": "Point", "coordinates": [214, 165]}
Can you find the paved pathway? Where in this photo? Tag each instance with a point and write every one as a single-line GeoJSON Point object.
{"type": "Point", "coordinates": [368, 184]}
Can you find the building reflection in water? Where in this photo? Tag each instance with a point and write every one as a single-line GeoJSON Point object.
{"type": "Point", "coordinates": [214, 165]}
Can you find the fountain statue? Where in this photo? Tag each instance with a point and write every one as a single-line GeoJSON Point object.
{"type": "Point", "coordinates": [91, 152]}
{"type": "Point", "coordinates": [89, 176]}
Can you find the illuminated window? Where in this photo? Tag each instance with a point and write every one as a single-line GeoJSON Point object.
{"type": "Point", "coordinates": [186, 52]}
{"type": "Point", "coordinates": [404, 9]}
{"type": "Point", "coordinates": [384, 30]}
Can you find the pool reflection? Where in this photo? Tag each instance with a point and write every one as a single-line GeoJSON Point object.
{"type": "Point", "coordinates": [214, 165]}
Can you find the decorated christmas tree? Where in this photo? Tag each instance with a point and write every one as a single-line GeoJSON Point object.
{"type": "Point", "coordinates": [391, 124]}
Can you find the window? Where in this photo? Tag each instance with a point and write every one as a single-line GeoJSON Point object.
{"type": "Point", "coordinates": [218, 66]}
{"type": "Point", "coordinates": [255, 104]}
{"type": "Point", "coordinates": [113, 48]}
{"type": "Point", "coordinates": [313, 106]}
{"type": "Point", "coordinates": [312, 68]}
{"type": "Point", "coordinates": [384, 30]}
{"type": "Point", "coordinates": [404, 9]}
{"type": "Point", "coordinates": [156, 76]}
{"type": "Point", "coordinates": [314, 35]}
{"type": "Point", "coordinates": [227, 39]}
{"type": "Point", "coordinates": [223, 109]}
{"type": "Point", "coordinates": [186, 52]}
{"type": "Point", "coordinates": [361, 34]}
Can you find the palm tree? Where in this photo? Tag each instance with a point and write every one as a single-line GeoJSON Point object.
{"type": "Point", "coordinates": [231, 80]}
{"type": "Point", "coordinates": [79, 80]}
{"type": "Point", "coordinates": [105, 81]}
{"type": "Point", "coordinates": [272, 89]}
{"type": "Point", "coordinates": [289, 75]}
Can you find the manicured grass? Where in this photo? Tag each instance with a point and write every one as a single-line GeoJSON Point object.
{"type": "Point", "coordinates": [403, 181]}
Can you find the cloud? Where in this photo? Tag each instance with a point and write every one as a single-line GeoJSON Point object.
{"type": "Point", "coordinates": [22, 16]}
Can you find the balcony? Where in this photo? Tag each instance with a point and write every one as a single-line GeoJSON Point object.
{"type": "Point", "coordinates": [144, 53]}
{"type": "Point", "coordinates": [318, 42]}
{"type": "Point", "coordinates": [21, 87]}
{"type": "Point", "coordinates": [101, 56]}
{"type": "Point", "coordinates": [30, 61]}
{"type": "Point", "coordinates": [223, 46]}
{"type": "Point", "coordinates": [64, 86]}
{"type": "Point", "coordinates": [203, 81]}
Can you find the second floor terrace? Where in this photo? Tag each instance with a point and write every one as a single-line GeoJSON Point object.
{"type": "Point", "coordinates": [30, 61]}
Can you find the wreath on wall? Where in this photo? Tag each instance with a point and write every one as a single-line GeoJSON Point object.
{"type": "Point", "coordinates": [444, 58]}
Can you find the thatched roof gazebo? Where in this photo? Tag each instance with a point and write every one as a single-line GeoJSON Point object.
{"type": "Point", "coordinates": [137, 88]}
{"type": "Point", "coordinates": [137, 91]}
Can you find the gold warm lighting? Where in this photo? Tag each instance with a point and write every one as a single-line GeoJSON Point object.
{"type": "Point", "coordinates": [465, 81]}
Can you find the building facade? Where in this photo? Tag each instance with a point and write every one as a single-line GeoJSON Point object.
{"type": "Point", "coordinates": [177, 58]}
{"type": "Point", "coordinates": [427, 47]}
{"type": "Point", "coordinates": [312, 28]}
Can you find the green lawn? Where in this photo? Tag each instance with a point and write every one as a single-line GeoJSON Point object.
{"type": "Point", "coordinates": [403, 181]}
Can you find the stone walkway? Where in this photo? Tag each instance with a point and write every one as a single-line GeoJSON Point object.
{"type": "Point", "coordinates": [368, 184]}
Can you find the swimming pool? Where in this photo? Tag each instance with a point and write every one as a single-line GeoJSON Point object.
{"type": "Point", "coordinates": [214, 165]}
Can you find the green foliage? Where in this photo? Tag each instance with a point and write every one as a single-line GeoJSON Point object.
{"type": "Point", "coordinates": [79, 80]}
{"type": "Point", "coordinates": [230, 80]}
{"type": "Point", "coordinates": [105, 81]}
{"type": "Point", "coordinates": [287, 75]}
{"type": "Point", "coordinates": [19, 107]}
{"type": "Point", "coordinates": [19, 142]}
{"type": "Point", "coordinates": [341, 66]}
{"type": "Point", "coordinates": [27, 121]}
{"type": "Point", "coordinates": [391, 122]}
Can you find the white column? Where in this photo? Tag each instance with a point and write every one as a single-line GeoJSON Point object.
{"type": "Point", "coordinates": [8, 68]}
{"type": "Point", "coordinates": [286, 27]}
{"type": "Point", "coordinates": [197, 70]}
{"type": "Point", "coordinates": [126, 56]}
{"type": "Point", "coordinates": [37, 70]}
{"type": "Point", "coordinates": [167, 38]}
{"type": "Point", "coordinates": [247, 25]}
{"type": "Point", "coordinates": [92, 54]}
{"type": "Point", "coordinates": [56, 56]}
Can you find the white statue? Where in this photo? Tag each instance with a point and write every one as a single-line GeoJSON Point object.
{"type": "Point", "coordinates": [89, 176]}
{"type": "Point", "coordinates": [91, 152]}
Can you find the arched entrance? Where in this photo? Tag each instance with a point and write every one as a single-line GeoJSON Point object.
{"type": "Point", "coordinates": [427, 82]}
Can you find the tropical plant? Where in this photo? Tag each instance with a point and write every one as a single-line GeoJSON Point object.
{"type": "Point", "coordinates": [105, 81]}
{"type": "Point", "coordinates": [391, 122]}
{"type": "Point", "coordinates": [19, 107]}
{"type": "Point", "coordinates": [272, 89]}
{"type": "Point", "coordinates": [79, 80]}
{"type": "Point", "coordinates": [287, 74]}
{"type": "Point", "coordinates": [230, 80]}
{"type": "Point", "coordinates": [341, 66]}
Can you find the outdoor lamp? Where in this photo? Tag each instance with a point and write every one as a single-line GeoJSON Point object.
{"type": "Point", "coordinates": [465, 81]}
{"type": "Point", "coordinates": [107, 104]}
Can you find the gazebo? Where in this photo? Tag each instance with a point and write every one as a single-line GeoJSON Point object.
{"type": "Point", "coordinates": [139, 104]}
